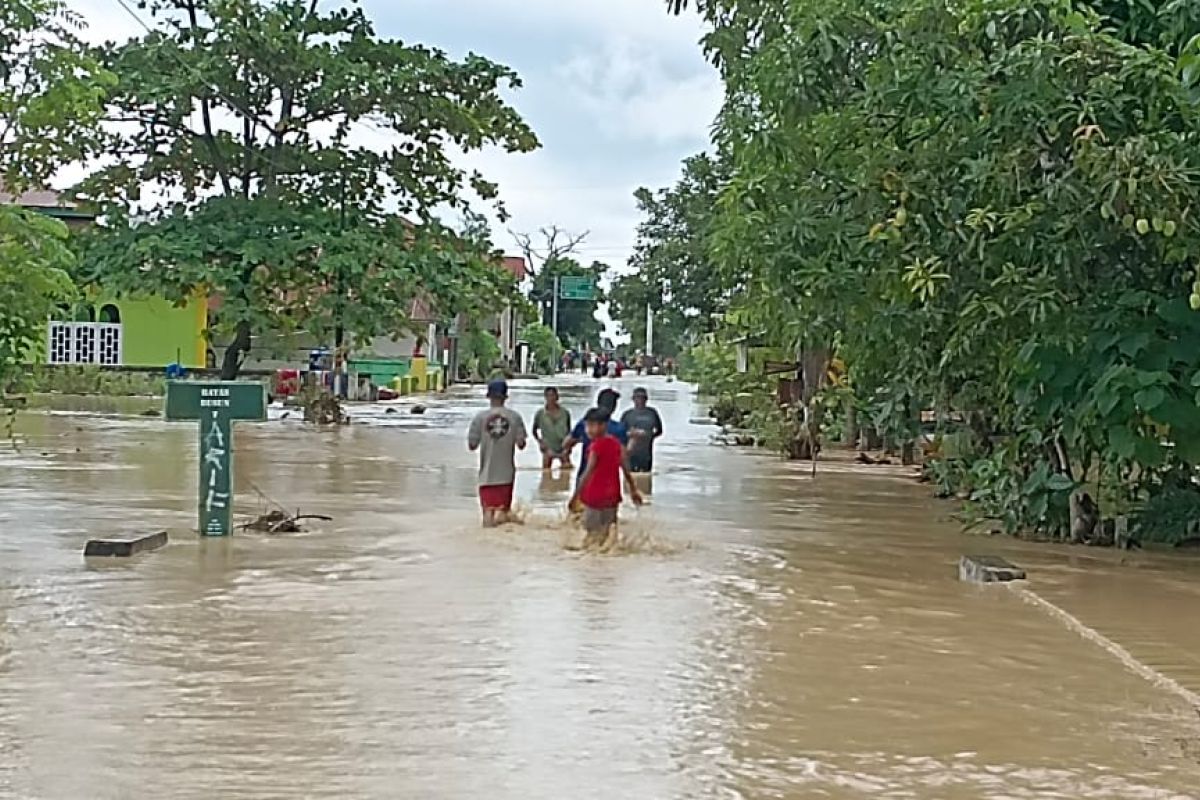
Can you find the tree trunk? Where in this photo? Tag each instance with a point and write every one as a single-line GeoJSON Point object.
{"type": "Point", "coordinates": [850, 434]}
{"type": "Point", "coordinates": [231, 365]}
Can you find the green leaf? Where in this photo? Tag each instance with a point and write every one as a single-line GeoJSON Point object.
{"type": "Point", "coordinates": [1122, 441]}
{"type": "Point", "coordinates": [1134, 343]}
{"type": "Point", "coordinates": [1060, 483]}
{"type": "Point", "coordinates": [1150, 398]}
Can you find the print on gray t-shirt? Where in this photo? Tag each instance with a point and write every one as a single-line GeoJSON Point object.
{"type": "Point", "coordinates": [642, 419]}
{"type": "Point", "coordinates": [497, 432]}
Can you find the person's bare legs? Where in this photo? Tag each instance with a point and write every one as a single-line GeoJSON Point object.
{"type": "Point", "coordinates": [611, 539]}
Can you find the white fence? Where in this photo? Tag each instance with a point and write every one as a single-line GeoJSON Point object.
{"type": "Point", "coordinates": [86, 343]}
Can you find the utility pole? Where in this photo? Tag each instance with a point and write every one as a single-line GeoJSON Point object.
{"type": "Point", "coordinates": [556, 292]}
{"type": "Point", "coordinates": [649, 329]}
{"type": "Point", "coordinates": [339, 333]}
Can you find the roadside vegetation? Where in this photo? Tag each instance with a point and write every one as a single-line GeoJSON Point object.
{"type": "Point", "coordinates": [985, 211]}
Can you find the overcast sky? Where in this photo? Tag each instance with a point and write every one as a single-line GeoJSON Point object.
{"type": "Point", "coordinates": [617, 90]}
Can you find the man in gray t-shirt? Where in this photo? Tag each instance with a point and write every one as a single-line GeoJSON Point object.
{"type": "Point", "coordinates": [496, 433]}
{"type": "Point", "coordinates": [644, 426]}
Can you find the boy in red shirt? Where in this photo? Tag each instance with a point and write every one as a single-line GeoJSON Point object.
{"type": "Point", "coordinates": [599, 488]}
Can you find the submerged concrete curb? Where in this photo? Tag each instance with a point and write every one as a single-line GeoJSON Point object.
{"type": "Point", "coordinates": [988, 569]}
{"type": "Point", "coordinates": [124, 548]}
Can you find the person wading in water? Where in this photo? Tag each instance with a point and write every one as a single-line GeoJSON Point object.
{"type": "Point", "coordinates": [551, 427]}
{"type": "Point", "coordinates": [497, 433]}
{"type": "Point", "coordinates": [644, 426]}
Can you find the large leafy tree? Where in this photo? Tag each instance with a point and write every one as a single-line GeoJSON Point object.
{"type": "Point", "coordinates": [50, 93]}
{"type": "Point", "coordinates": [672, 271]}
{"type": "Point", "coordinates": [266, 152]}
{"type": "Point", "coordinates": [988, 208]}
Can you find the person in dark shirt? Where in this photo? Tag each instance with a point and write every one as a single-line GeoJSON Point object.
{"type": "Point", "coordinates": [607, 401]}
{"type": "Point", "coordinates": [644, 426]}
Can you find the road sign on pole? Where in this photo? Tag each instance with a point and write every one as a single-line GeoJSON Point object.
{"type": "Point", "coordinates": [577, 287]}
{"type": "Point", "coordinates": [216, 405]}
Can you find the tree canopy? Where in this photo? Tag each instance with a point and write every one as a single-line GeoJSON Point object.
{"type": "Point", "coordinates": [50, 92]}
{"type": "Point", "coordinates": [266, 153]}
{"type": "Point", "coordinates": [672, 271]}
{"type": "Point", "coordinates": [985, 208]}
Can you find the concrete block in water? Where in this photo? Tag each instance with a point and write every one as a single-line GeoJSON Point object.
{"type": "Point", "coordinates": [988, 569]}
{"type": "Point", "coordinates": [123, 548]}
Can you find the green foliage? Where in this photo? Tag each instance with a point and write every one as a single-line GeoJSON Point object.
{"type": "Point", "coordinates": [50, 92]}
{"type": "Point", "coordinates": [49, 109]}
{"type": "Point", "coordinates": [33, 281]}
{"type": "Point", "coordinates": [278, 266]}
{"type": "Point", "coordinates": [990, 208]}
{"type": "Point", "coordinates": [673, 272]}
{"type": "Point", "coordinates": [280, 130]}
{"type": "Point", "coordinates": [478, 354]}
{"type": "Point", "coordinates": [577, 323]}
{"type": "Point", "coordinates": [1170, 517]}
{"type": "Point", "coordinates": [90, 380]}
{"type": "Point", "coordinates": [546, 348]}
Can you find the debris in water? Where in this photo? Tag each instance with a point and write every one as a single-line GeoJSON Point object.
{"type": "Point", "coordinates": [324, 408]}
{"type": "Point", "coordinates": [417, 409]}
{"type": "Point", "coordinates": [988, 569]}
{"type": "Point", "coordinates": [863, 458]}
{"type": "Point", "coordinates": [124, 548]}
{"type": "Point", "coordinates": [282, 522]}
{"type": "Point", "coordinates": [391, 411]}
{"type": "Point", "coordinates": [279, 520]}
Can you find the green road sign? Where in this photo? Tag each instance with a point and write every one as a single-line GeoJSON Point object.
{"type": "Point", "coordinates": [574, 287]}
{"type": "Point", "coordinates": [216, 405]}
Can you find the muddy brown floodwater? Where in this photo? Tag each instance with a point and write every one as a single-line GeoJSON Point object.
{"type": "Point", "coordinates": [764, 636]}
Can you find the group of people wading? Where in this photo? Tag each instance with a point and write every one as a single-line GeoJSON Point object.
{"type": "Point", "coordinates": [612, 449]}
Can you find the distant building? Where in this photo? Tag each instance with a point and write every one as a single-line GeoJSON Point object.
{"type": "Point", "coordinates": [138, 331]}
{"type": "Point", "coordinates": [507, 324]}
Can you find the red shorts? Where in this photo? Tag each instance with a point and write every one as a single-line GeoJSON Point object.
{"type": "Point", "coordinates": [496, 497]}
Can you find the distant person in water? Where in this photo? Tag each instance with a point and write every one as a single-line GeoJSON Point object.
{"type": "Point", "coordinates": [599, 489]}
{"type": "Point", "coordinates": [551, 429]}
{"type": "Point", "coordinates": [644, 426]}
{"type": "Point", "coordinates": [497, 433]}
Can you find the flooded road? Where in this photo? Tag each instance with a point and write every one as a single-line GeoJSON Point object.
{"type": "Point", "coordinates": [765, 636]}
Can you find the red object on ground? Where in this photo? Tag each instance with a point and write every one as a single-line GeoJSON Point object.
{"type": "Point", "coordinates": [388, 394]}
{"type": "Point", "coordinates": [493, 497]}
{"type": "Point", "coordinates": [287, 382]}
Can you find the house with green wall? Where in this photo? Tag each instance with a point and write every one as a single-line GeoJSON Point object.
{"type": "Point", "coordinates": [147, 332]}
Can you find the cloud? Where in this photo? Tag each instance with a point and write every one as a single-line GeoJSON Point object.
{"type": "Point", "coordinates": [633, 92]}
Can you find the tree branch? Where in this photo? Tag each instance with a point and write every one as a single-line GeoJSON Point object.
{"type": "Point", "coordinates": [206, 112]}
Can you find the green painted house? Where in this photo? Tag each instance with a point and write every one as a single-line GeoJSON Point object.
{"type": "Point", "coordinates": [148, 332]}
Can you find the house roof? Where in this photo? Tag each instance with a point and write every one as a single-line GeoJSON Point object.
{"type": "Point", "coordinates": [517, 266]}
{"type": "Point", "coordinates": [47, 201]}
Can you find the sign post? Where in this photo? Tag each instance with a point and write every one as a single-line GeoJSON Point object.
{"type": "Point", "coordinates": [216, 405]}
{"type": "Point", "coordinates": [577, 287]}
